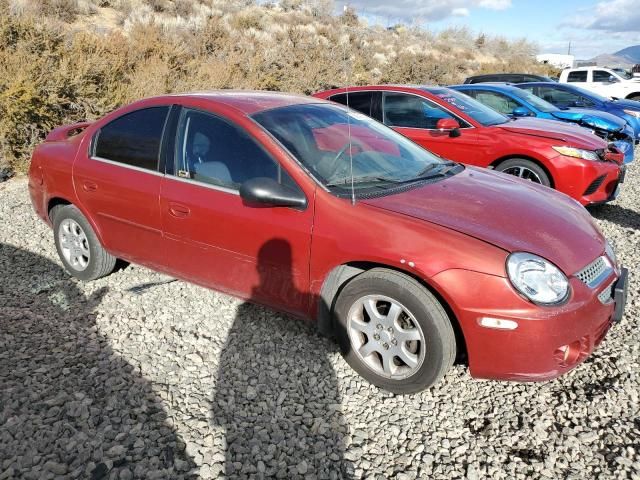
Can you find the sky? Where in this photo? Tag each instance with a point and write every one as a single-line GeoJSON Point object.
{"type": "Point", "coordinates": [592, 26]}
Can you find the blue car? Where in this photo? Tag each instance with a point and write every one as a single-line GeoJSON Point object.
{"type": "Point", "coordinates": [564, 95]}
{"type": "Point", "coordinates": [516, 102]}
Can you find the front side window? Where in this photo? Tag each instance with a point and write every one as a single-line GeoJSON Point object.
{"type": "Point", "coordinates": [602, 76]}
{"type": "Point", "coordinates": [360, 101]}
{"type": "Point", "coordinates": [403, 110]}
{"type": "Point", "coordinates": [476, 110]}
{"type": "Point", "coordinates": [214, 151]}
{"type": "Point", "coordinates": [340, 147]}
{"type": "Point", "coordinates": [537, 102]}
{"type": "Point", "coordinates": [577, 76]}
{"type": "Point", "coordinates": [497, 101]}
{"type": "Point", "coordinates": [563, 98]}
{"type": "Point", "coordinates": [133, 139]}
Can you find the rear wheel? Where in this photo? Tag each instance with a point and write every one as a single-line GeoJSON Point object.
{"type": "Point", "coordinates": [78, 246]}
{"type": "Point", "coordinates": [525, 169]}
{"type": "Point", "coordinates": [394, 332]}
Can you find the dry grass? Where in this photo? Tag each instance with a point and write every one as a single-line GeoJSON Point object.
{"type": "Point", "coordinates": [67, 60]}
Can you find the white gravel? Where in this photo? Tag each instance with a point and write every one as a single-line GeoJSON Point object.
{"type": "Point", "coordinates": [139, 376]}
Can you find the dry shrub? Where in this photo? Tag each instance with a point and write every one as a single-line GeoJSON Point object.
{"type": "Point", "coordinates": [56, 72]}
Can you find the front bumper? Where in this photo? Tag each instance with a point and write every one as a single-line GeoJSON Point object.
{"type": "Point", "coordinates": [587, 181]}
{"type": "Point", "coordinates": [547, 341]}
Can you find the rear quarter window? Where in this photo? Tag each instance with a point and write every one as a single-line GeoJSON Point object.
{"type": "Point", "coordinates": [133, 139]}
{"type": "Point", "coordinates": [577, 76]}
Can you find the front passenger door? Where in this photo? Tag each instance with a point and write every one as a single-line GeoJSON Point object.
{"type": "Point", "coordinates": [213, 238]}
{"type": "Point", "coordinates": [416, 118]}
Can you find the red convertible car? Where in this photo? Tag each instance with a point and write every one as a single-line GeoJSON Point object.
{"type": "Point", "coordinates": [320, 211]}
{"type": "Point", "coordinates": [566, 157]}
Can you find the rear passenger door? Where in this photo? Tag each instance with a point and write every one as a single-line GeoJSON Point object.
{"type": "Point", "coordinates": [494, 100]}
{"type": "Point", "coordinates": [118, 183]}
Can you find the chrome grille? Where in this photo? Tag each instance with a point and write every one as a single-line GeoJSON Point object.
{"type": "Point", "coordinates": [595, 273]}
{"type": "Point", "coordinates": [606, 295]}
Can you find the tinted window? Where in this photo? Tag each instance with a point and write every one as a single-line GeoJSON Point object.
{"type": "Point", "coordinates": [401, 110]}
{"type": "Point", "coordinates": [578, 76]}
{"type": "Point", "coordinates": [133, 139]}
{"type": "Point", "coordinates": [497, 101]}
{"type": "Point", "coordinates": [212, 150]}
{"type": "Point", "coordinates": [476, 110]}
{"type": "Point", "coordinates": [601, 76]}
{"type": "Point", "coordinates": [563, 98]}
{"type": "Point", "coordinates": [360, 101]}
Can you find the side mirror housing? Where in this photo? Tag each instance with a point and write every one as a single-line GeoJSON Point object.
{"type": "Point", "coordinates": [450, 125]}
{"type": "Point", "coordinates": [267, 192]}
{"type": "Point", "coordinates": [521, 112]}
{"type": "Point", "coordinates": [613, 79]}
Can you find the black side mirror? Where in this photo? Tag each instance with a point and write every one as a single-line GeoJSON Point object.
{"type": "Point", "coordinates": [267, 192]}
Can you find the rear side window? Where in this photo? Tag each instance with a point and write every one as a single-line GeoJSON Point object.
{"type": "Point", "coordinates": [133, 139]}
{"type": "Point", "coordinates": [360, 101]}
{"type": "Point", "coordinates": [578, 76]}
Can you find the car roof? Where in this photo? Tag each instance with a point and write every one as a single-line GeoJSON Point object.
{"type": "Point", "coordinates": [495, 86]}
{"type": "Point", "coordinates": [248, 101]}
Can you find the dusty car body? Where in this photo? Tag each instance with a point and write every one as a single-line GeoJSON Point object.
{"type": "Point", "coordinates": [304, 206]}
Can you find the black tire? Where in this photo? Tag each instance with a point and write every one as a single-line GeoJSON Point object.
{"type": "Point", "coordinates": [439, 338]}
{"type": "Point", "coordinates": [507, 166]}
{"type": "Point", "coordinates": [100, 262]}
{"type": "Point", "coordinates": [635, 97]}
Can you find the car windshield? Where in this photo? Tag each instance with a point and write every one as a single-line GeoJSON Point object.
{"type": "Point", "coordinates": [623, 73]}
{"type": "Point", "coordinates": [537, 102]}
{"type": "Point", "coordinates": [333, 142]}
{"type": "Point", "coordinates": [476, 110]}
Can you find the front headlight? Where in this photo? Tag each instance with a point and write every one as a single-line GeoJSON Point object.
{"type": "Point", "coordinates": [577, 153]}
{"type": "Point", "coordinates": [633, 113]}
{"type": "Point", "coordinates": [537, 279]}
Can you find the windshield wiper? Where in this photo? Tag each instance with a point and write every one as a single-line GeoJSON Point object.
{"type": "Point", "coordinates": [444, 168]}
{"type": "Point", "coordinates": [364, 179]}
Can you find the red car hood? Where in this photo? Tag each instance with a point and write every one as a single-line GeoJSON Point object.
{"type": "Point", "coordinates": [509, 213]}
{"type": "Point", "coordinates": [565, 133]}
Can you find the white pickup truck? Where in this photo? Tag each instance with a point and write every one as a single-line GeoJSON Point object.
{"type": "Point", "coordinates": [604, 81]}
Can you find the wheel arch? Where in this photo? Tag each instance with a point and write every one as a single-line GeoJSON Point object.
{"type": "Point", "coordinates": [632, 95]}
{"type": "Point", "coordinates": [498, 161]}
{"type": "Point", "coordinates": [341, 275]}
{"type": "Point", "coordinates": [57, 200]}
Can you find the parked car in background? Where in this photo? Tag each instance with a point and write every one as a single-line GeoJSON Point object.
{"type": "Point", "coordinates": [457, 127]}
{"type": "Point", "coordinates": [567, 95]}
{"type": "Point", "coordinates": [516, 102]}
{"type": "Point", "coordinates": [507, 77]}
{"type": "Point", "coordinates": [603, 81]}
{"type": "Point", "coordinates": [324, 213]}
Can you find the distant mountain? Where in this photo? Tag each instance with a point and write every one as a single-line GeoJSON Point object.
{"type": "Point", "coordinates": [630, 54]}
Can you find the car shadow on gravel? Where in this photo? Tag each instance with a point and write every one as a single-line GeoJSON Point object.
{"type": "Point", "coordinates": [69, 406]}
{"type": "Point", "coordinates": [621, 216]}
{"type": "Point", "coordinates": [276, 394]}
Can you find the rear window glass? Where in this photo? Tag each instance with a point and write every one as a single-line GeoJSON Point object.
{"type": "Point", "coordinates": [133, 139]}
{"type": "Point", "coordinates": [577, 76]}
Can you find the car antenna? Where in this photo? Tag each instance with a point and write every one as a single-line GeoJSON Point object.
{"type": "Point", "coordinates": [347, 78]}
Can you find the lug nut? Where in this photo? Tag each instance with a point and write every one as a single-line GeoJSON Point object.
{"type": "Point", "coordinates": [385, 346]}
{"type": "Point", "coordinates": [376, 337]}
{"type": "Point", "coordinates": [394, 341]}
{"type": "Point", "coordinates": [390, 330]}
{"type": "Point", "coordinates": [379, 327]}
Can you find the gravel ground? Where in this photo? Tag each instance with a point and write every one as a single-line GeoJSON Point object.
{"type": "Point", "coordinates": [139, 376]}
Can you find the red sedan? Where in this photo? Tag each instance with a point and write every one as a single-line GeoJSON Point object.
{"type": "Point", "coordinates": [566, 157]}
{"type": "Point", "coordinates": [322, 212]}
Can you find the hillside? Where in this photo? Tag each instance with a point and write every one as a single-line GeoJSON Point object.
{"type": "Point", "coordinates": [67, 60]}
{"type": "Point", "coordinates": [630, 54]}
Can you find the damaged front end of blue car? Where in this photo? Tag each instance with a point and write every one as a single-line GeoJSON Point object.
{"type": "Point", "coordinates": [613, 129]}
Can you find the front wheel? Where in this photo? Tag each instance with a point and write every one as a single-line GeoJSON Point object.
{"type": "Point", "coordinates": [635, 97]}
{"type": "Point", "coordinates": [525, 169]}
{"type": "Point", "coordinates": [394, 332]}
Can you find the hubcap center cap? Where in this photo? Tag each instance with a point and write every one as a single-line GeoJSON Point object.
{"type": "Point", "coordinates": [386, 336]}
